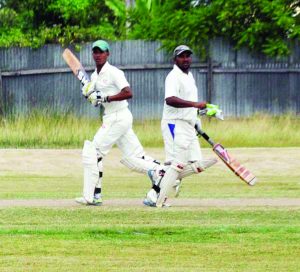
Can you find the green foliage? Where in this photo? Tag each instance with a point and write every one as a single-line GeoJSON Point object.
{"type": "Point", "coordinates": [36, 22]}
{"type": "Point", "coordinates": [70, 9]}
{"type": "Point", "coordinates": [264, 26]}
{"type": "Point", "coordinates": [119, 10]}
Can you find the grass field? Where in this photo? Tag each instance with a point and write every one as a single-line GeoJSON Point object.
{"type": "Point", "coordinates": [137, 238]}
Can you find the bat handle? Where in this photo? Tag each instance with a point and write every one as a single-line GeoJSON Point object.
{"type": "Point", "coordinates": [204, 135]}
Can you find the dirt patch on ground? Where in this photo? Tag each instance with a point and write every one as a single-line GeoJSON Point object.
{"type": "Point", "coordinates": [64, 162]}
{"type": "Point", "coordinates": [281, 202]}
{"type": "Point", "coordinates": [48, 161]}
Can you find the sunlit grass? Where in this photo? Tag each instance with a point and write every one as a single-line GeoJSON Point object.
{"type": "Point", "coordinates": [130, 239]}
{"type": "Point", "coordinates": [138, 238]}
{"type": "Point", "coordinates": [45, 130]}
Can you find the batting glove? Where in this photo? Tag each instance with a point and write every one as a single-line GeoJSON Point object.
{"type": "Point", "coordinates": [93, 99]}
{"type": "Point", "coordinates": [211, 109]}
{"type": "Point", "coordinates": [214, 111]}
{"type": "Point", "coordinates": [88, 89]}
{"type": "Point", "coordinates": [96, 99]}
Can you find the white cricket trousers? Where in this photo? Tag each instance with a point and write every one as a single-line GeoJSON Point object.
{"type": "Point", "coordinates": [117, 129]}
{"type": "Point", "coordinates": [181, 142]}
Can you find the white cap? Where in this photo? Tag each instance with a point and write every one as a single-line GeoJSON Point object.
{"type": "Point", "coordinates": [180, 49]}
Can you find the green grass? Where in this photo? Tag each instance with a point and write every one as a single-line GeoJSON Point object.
{"type": "Point", "coordinates": [44, 130]}
{"type": "Point", "coordinates": [216, 183]}
{"type": "Point", "coordinates": [89, 239]}
{"type": "Point", "coordinates": [138, 238]}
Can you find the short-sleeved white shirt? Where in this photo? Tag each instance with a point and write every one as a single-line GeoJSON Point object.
{"type": "Point", "coordinates": [183, 86]}
{"type": "Point", "coordinates": [110, 81]}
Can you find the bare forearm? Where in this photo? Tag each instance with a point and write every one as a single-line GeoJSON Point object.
{"type": "Point", "coordinates": [177, 102]}
{"type": "Point", "coordinates": [124, 94]}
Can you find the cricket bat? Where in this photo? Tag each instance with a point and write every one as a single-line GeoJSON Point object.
{"type": "Point", "coordinates": [75, 66]}
{"type": "Point", "coordinates": [240, 170]}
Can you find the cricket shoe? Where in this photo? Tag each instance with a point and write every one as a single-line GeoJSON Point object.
{"type": "Point", "coordinates": [83, 201]}
{"type": "Point", "coordinates": [151, 199]}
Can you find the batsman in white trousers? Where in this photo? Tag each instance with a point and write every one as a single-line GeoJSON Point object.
{"type": "Point", "coordinates": [182, 146]}
{"type": "Point", "coordinates": [108, 87]}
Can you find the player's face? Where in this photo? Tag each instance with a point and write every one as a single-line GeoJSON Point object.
{"type": "Point", "coordinates": [183, 61]}
{"type": "Point", "coordinates": [100, 57]}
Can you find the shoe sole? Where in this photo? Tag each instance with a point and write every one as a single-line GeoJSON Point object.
{"type": "Point", "coordinates": [149, 203]}
{"type": "Point", "coordinates": [153, 205]}
{"type": "Point", "coordinates": [88, 204]}
{"type": "Point", "coordinates": [95, 204]}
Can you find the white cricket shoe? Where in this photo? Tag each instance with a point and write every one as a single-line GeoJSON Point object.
{"type": "Point", "coordinates": [83, 201]}
{"type": "Point", "coordinates": [151, 199]}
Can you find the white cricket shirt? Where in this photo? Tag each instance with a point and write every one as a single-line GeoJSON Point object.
{"type": "Point", "coordinates": [110, 81]}
{"type": "Point", "coordinates": [183, 86]}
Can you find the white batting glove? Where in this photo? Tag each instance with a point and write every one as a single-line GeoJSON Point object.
{"type": "Point", "coordinates": [88, 88]}
{"type": "Point", "coordinates": [92, 98]}
{"type": "Point", "coordinates": [96, 99]}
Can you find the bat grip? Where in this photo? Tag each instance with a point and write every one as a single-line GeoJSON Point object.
{"type": "Point", "coordinates": [204, 135]}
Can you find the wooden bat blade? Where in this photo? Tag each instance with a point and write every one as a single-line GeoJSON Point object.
{"type": "Point", "coordinates": [72, 61]}
{"type": "Point", "coordinates": [75, 66]}
{"type": "Point", "coordinates": [240, 170]}
{"type": "Point", "coordinates": [231, 163]}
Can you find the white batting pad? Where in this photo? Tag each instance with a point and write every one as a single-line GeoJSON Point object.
{"type": "Point", "coordinates": [139, 165]}
{"type": "Point", "coordinates": [196, 167]}
{"type": "Point", "coordinates": [91, 171]}
{"type": "Point", "coordinates": [166, 185]}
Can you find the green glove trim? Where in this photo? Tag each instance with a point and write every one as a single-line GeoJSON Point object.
{"type": "Point", "coordinates": [211, 109]}
{"type": "Point", "coordinates": [212, 106]}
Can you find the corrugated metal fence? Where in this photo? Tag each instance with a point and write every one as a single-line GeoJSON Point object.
{"type": "Point", "coordinates": [239, 82]}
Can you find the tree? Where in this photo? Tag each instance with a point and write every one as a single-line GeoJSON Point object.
{"type": "Point", "coordinates": [36, 22]}
{"type": "Point", "coordinates": [266, 26]}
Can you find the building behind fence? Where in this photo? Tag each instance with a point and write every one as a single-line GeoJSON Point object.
{"type": "Point", "coordinates": [242, 84]}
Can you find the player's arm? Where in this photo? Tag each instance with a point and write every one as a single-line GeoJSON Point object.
{"type": "Point", "coordinates": [172, 93]}
{"type": "Point", "coordinates": [122, 84]}
{"type": "Point", "coordinates": [124, 94]}
{"type": "Point", "coordinates": [177, 102]}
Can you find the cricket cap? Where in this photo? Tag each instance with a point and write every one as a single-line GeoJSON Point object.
{"type": "Point", "coordinates": [103, 45]}
{"type": "Point", "coordinates": [180, 49]}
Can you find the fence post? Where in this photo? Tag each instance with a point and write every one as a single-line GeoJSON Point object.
{"type": "Point", "coordinates": [209, 80]}
{"type": "Point", "coordinates": [1, 96]}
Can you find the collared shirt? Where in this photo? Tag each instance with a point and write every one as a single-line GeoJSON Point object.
{"type": "Point", "coordinates": [183, 86]}
{"type": "Point", "coordinates": [110, 81]}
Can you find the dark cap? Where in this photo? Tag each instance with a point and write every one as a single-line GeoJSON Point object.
{"type": "Point", "coordinates": [180, 49]}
